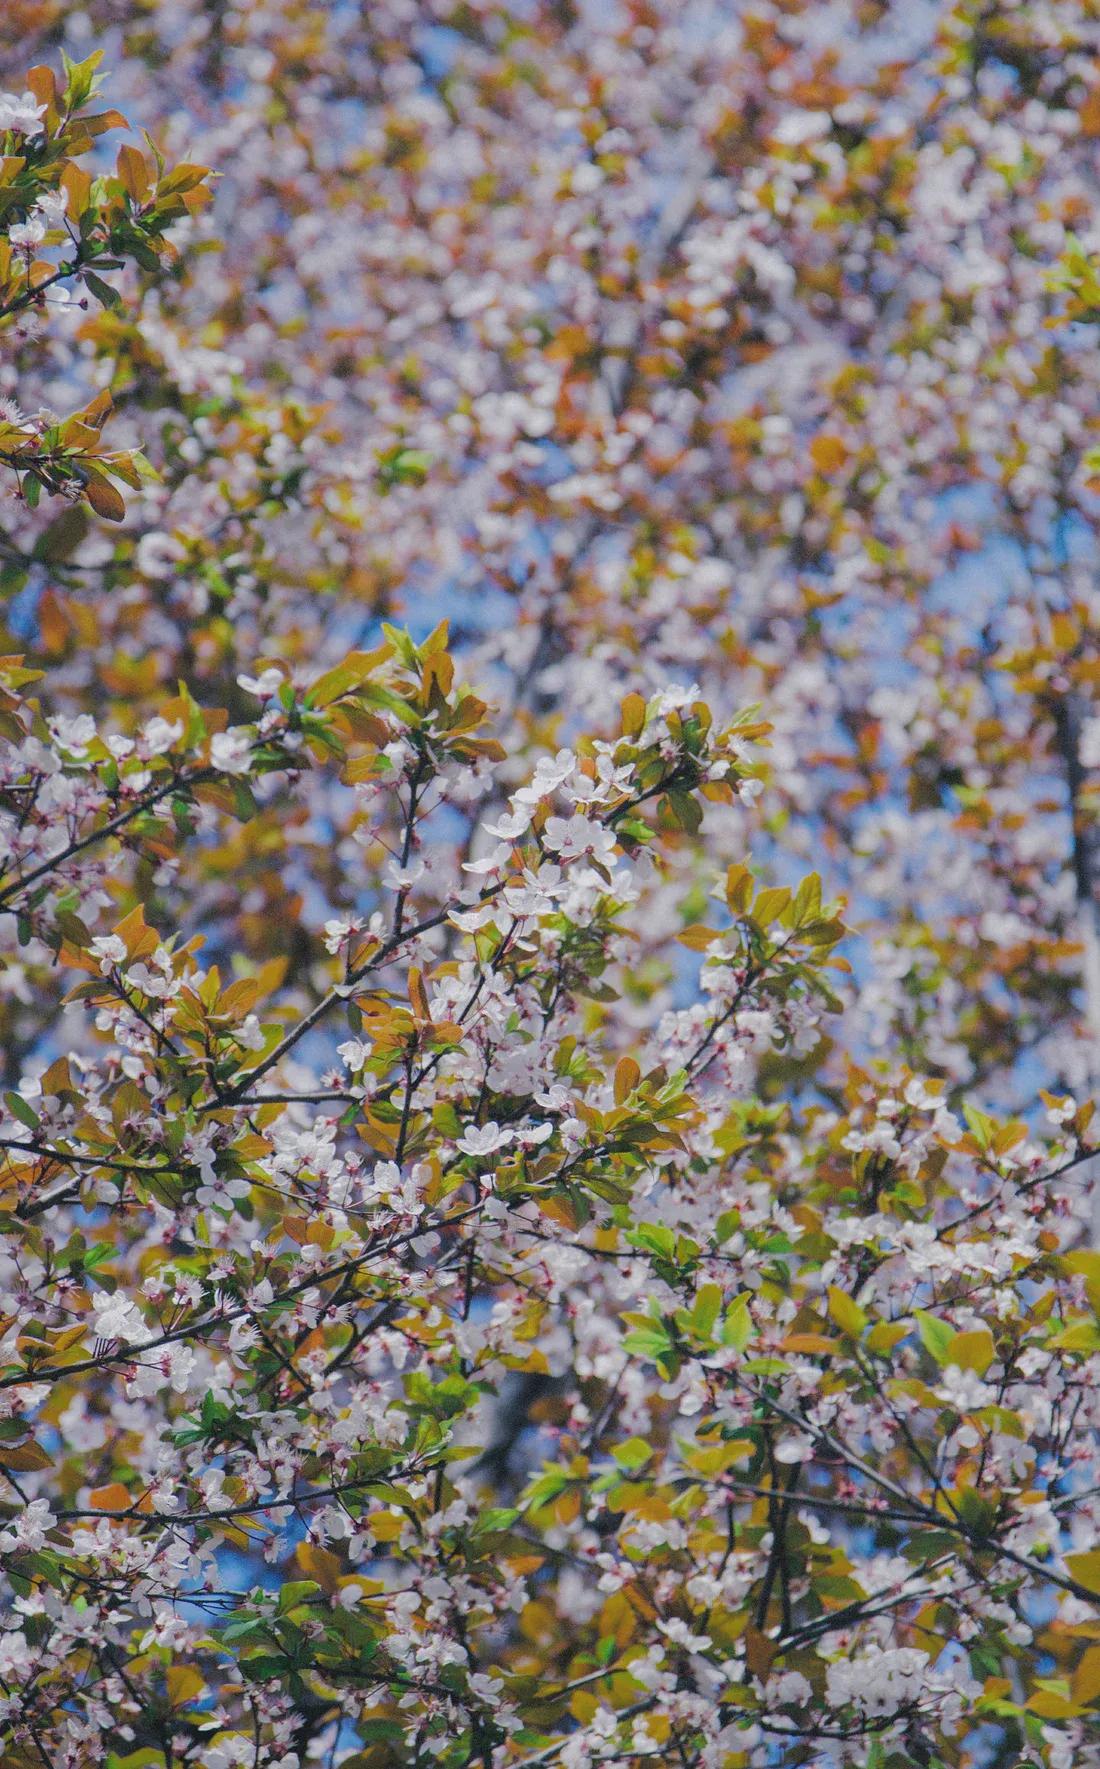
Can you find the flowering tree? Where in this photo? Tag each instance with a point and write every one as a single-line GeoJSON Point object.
{"type": "Point", "coordinates": [484, 1280]}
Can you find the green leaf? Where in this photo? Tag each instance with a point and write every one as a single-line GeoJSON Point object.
{"type": "Point", "coordinates": [241, 1626]}
{"type": "Point", "coordinates": [381, 1731]}
{"type": "Point", "coordinates": [982, 1128]}
{"type": "Point", "coordinates": [296, 1591]}
{"type": "Point", "coordinates": [654, 1237]}
{"type": "Point", "coordinates": [263, 1667]}
{"type": "Point", "coordinates": [80, 79]}
{"type": "Point", "coordinates": [403, 466]}
{"type": "Point", "coordinates": [705, 1310]}
{"type": "Point", "coordinates": [807, 902]}
{"type": "Point", "coordinates": [936, 1336]}
{"type": "Point", "coordinates": [770, 905]}
{"type": "Point", "coordinates": [976, 1511]}
{"type": "Point", "coordinates": [500, 1518]}
{"type": "Point", "coordinates": [65, 533]}
{"type": "Point", "coordinates": [103, 292]}
{"type": "Point", "coordinates": [737, 1328]}
{"type": "Point", "coordinates": [549, 1484]}
{"type": "Point", "coordinates": [633, 1454]}
{"type": "Point", "coordinates": [19, 1108]}
{"type": "Point", "coordinates": [684, 811]}
{"type": "Point", "coordinates": [847, 1313]}
{"type": "Point", "coordinates": [1083, 1334]}
{"type": "Point", "coordinates": [647, 1342]}
{"type": "Point", "coordinates": [244, 803]}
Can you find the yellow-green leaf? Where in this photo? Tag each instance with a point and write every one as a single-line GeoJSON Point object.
{"type": "Point", "coordinates": [972, 1350]}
